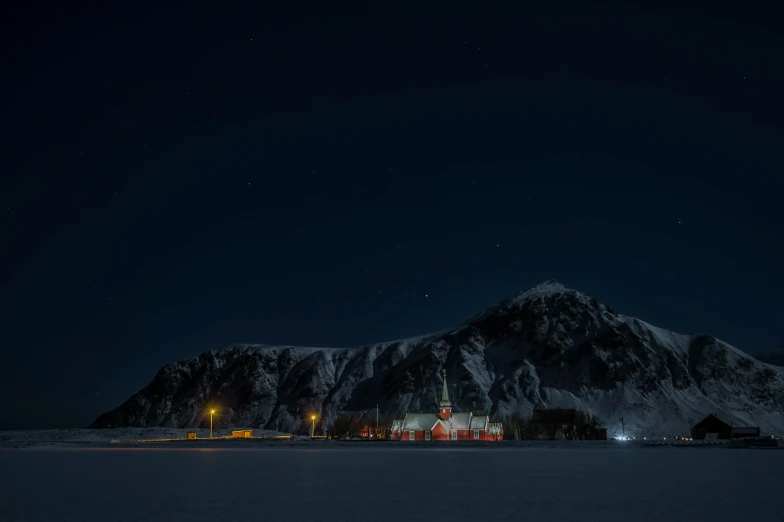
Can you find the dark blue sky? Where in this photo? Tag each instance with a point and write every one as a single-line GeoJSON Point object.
{"type": "Point", "coordinates": [179, 179]}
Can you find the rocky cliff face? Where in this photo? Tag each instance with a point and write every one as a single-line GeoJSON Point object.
{"type": "Point", "coordinates": [547, 347]}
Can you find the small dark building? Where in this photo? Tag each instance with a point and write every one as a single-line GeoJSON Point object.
{"type": "Point", "coordinates": [554, 423]}
{"type": "Point", "coordinates": [590, 432]}
{"type": "Point", "coordinates": [711, 424]}
{"type": "Point", "coordinates": [554, 415]}
{"type": "Point", "coordinates": [714, 425]}
{"type": "Point", "coordinates": [569, 424]}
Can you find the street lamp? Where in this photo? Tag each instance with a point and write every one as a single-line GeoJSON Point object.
{"type": "Point", "coordinates": [313, 425]}
{"type": "Point", "coordinates": [212, 412]}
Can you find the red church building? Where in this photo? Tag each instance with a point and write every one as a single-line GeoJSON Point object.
{"type": "Point", "coordinates": [446, 425]}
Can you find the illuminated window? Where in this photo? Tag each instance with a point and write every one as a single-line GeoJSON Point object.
{"type": "Point", "coordinates": [427, 435]}
{"type": "Point", "coordinates": [411, 435]}
{"type": "Point", "coordinates": [454, 434]}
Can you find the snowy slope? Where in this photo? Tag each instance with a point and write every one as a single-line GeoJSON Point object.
{"type": "Point", "coordinates": [546, 347]}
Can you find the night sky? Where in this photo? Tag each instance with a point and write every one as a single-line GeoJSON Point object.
{"type": "Point", "coordinates": [174, 180]}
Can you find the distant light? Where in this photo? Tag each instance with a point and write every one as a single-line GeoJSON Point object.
{"type": "Point", "coordinates": [212, 411]}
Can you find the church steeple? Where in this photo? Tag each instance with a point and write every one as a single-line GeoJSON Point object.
{"type": "Point", "coordinates": [446, 406]}
{"type": "Point", "coordinates": [445, 395]}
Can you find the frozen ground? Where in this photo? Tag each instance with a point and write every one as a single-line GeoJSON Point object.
{"type": "Point", "coordinates": [346, 483]}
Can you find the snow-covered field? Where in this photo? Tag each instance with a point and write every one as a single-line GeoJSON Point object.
{"type": "Point", "coordinates": [345, 483]}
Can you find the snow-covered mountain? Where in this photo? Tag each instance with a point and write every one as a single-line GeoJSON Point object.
{"type": "Point", "coordinates": [546, 347]}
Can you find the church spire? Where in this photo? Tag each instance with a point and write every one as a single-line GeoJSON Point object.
{"type": "Point", "coordinates": [445, 395]}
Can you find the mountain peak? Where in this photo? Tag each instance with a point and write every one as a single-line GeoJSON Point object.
{"type": "Point", "coordinates": [549, 287]}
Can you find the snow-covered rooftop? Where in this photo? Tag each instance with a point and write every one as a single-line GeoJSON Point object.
{"type": "Point", "coordinates": [479, 422]}
{"type": "Point", "coordinates": [419, 421]}
{"type": "Point", "coordinates": [458, 421]}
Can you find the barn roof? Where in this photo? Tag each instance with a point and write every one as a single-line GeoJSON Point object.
{"type": "Point", "coordinates": [479, 422]}
{"type": "Point", "coordinates": [419, 421]}
{"type": "Point", "coordinates": [712, 418]}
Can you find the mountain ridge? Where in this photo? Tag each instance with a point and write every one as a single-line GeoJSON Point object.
{"type": "Point", "coordinates": [548, 346]}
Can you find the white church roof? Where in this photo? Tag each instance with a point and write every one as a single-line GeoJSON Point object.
{"type": "Point", "coordinates": [420, 421]}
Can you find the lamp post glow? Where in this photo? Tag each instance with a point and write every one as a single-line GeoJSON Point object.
{"type": "Point", "coordinates": [212, 412]}
{"type": "Point", "coordinates": [312, 426]}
